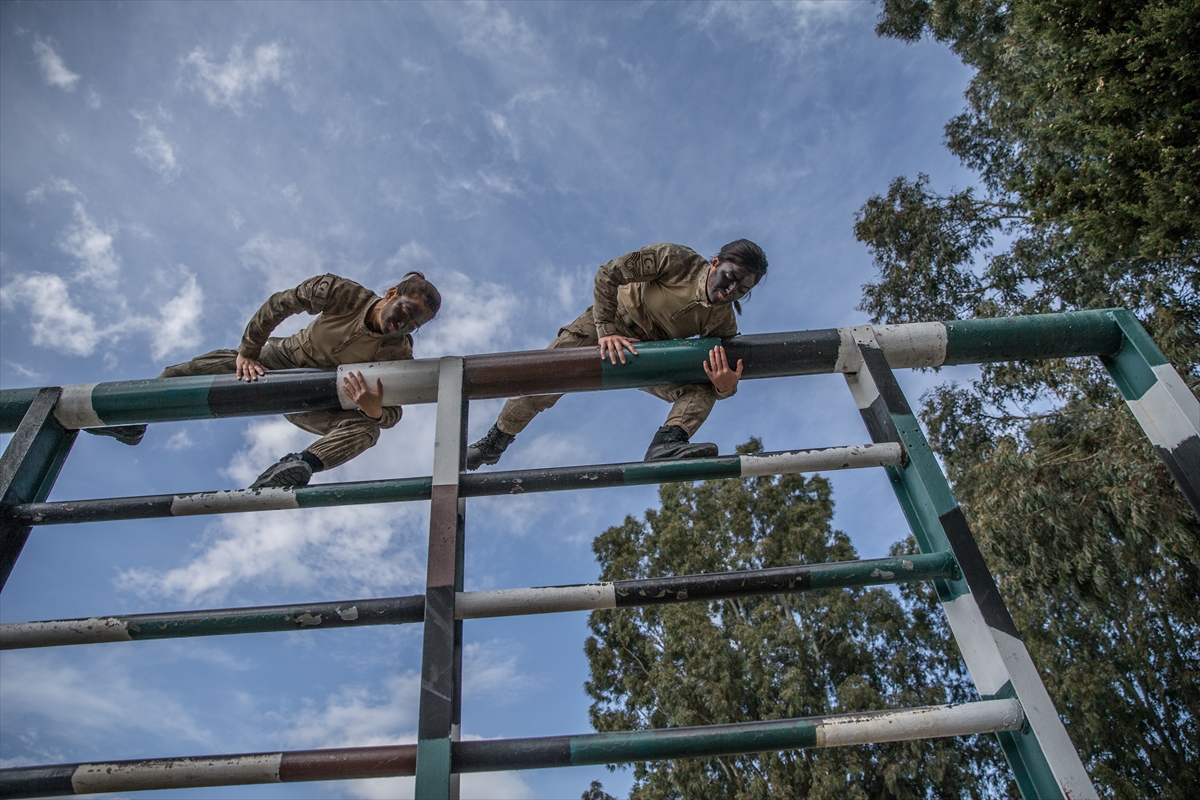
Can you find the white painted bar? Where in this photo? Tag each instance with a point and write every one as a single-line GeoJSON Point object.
{"type": "Point", "coordinates": [985, 716]}
{"type": "Point", "coordinates": [74, 408]}
{"type": "Point", "coordinates": [231, 500]}
{"type": "Point", "coordinates": [915, 344]}
{"type": "Point", "coordinates": [544, 600]}
{"type": "Point", "coordinates": [18, 635]}
{"type": "Point", "coordinates": [177, 773]}
{"type": "Point", "coordinates": [886, 454]}
{"type": "Point", "coordinates": [447, 431]}
{"type": "Point", "coordinates": [1168, 412]}
{"type": "Point", "coordinates": [404, 382]}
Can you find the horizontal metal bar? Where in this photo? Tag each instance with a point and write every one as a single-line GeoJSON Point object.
{"type": "Point", "coordinates": [706, 587]}
{"type": "Point", "coordinates": [840, 730]}
{"type": "Point", "coordinates": [479, 605]}
{"type": "Point", "coordinates": [213, 622]}
{"type": "Point", "coordinates": [923, 344]}
{"type": "Point", "coordinates": [472, 485]}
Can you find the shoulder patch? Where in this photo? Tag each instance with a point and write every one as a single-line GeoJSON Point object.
{"type": "Point", "coordinates": [323, 286]}
{"type": "Point", "coordinates": [640, 264]}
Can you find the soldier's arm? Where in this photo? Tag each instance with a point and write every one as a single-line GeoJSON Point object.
{"type": "Point", "coordinates": [640, 265]}
{"type": "Point", "coordinates": [322, 293]}
{"type": "Point", "coordinates": [724, 330]}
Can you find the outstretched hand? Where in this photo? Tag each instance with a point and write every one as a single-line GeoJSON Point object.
{"type": "Point", "coordinates": [370, 402]}
{"type": "Point", "coordinates": [723, 378]}
{"type": "Point", "coordinates": [613, 347]}
{"type": "Point", "coordinates": [248, 369]}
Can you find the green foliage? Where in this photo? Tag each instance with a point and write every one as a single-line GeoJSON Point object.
{"type": "Point", "coordinates": [774, 657]}
{"type": "Point", "coordinates": [1083, 126]}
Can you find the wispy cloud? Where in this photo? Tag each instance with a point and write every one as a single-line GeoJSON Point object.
{"type": "Point", "coordinates": [239, 78]}
{"type": "Point", "coordinates": [152, 144]}
{"type": "Point", "coordinates": [789, 28]}
{"type": "Point", "coordinates": [55, 321]}
{"type": "Point", "coordinates": [58, 321]}
{"type": "Point", "coordinates": [84, 708]}
{"type": "Point", "coordinates": [284, 262]}
{"type": "Point", "coordinates": [476, 316]}
{"type": "Point", "coordinates": [54, 71]}
{"type": "Point", "coordinates": [342, 552]}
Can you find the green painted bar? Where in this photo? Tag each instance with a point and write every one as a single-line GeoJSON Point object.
{"type": "Point", "coordinates": [679, 361]}
{"type": "Point", "coordinates": [1131, 368]}
{"type": "Point", "coordinates": [1065, 335]}
{"type": "Point", "coordinates": [609, 748]}
{"type": "Point", "coordinates": [13, 405]}
{"type": "Point", "coordinates": [695, 469]}
{"type": "Point", "coordinates": [918, 566]}
{"type": "Point", "coordinates": [398, 490]}
{"type": "Point", "coordinates": [180, 398]}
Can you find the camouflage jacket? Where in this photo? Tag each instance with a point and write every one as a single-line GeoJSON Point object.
{"type": "Point", "coordinates": [339, 334]}
{"type": "Point", "coordinates": [659, 292]}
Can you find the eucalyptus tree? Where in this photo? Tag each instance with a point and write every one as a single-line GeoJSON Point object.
{"type": "Point", "coordinates": [1083, 127]}
{"type": "Point", "coordinates": [774, 657]}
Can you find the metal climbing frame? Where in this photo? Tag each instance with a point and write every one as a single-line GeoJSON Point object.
{"type": "Point", "coordinates": [1015, 704]}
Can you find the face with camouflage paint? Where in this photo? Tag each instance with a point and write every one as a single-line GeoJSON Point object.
{"type": "Point", "coordinates": [399, 314]}
{"type": "Point", "coordinates": [728, 282]}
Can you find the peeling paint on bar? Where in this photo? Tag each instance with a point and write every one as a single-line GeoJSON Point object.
{"type": "Point", "coordinates": [537, 372]}
{"type": "Point", "coordinates": [479, 605]}
{"type": "Point", "coordinates": [987, 716]}
{"type": "Point", "coordinates": [176, 773]}
{"type": "Point", "coordinates": [473, 485]}
{"type": "Point", "coordinates": [213, 622]}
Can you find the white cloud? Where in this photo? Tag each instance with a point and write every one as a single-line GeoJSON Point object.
{"type": "Point", "coordinates": [343, 551]}
{"type": "Point", "coordinates": [366, 716]}
{"type": "Point", "coordinates": [490, 670]}
{"type": "Point", "coordinates": [55, 321]}
{"type": "Point", "coordinates": [177, 328]}
{"type": "Point", "coordinates": [789, 28]}
{"type": "Point", "coordinates": [152, 145]}
{"type": "Point", "coordinates": [238, 78]}
{"type": "Point", "coordinates": [292, 194]}
{"type": "Point", "coordinates": [360, 716]}
{"type": "Point", "coordinates": [489, 31]}
{"type": "Point", "coordinates": [179, 441]}
{"type": "Point", "coordinates": [409, 257]}
{"type": "Point", "coordinates": [82, 708]}
{"type": "Point", "coordinates": [92, 248]}
{"type": "Point", "coordinates": [92, 97]}
{"type": "Point", "coordinates": [54, 71]}
{"type": "Point", "coordinates": [283, 262]}
{"type": "Point", "coordinates": [476, 316]}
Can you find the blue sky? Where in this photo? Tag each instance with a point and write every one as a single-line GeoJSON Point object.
{"type": "Point", "coordinates": [165, 167]}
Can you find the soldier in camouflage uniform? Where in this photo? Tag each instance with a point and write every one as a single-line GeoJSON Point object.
{"type": "Point", "coordinates": [354, 325]}
{"type": "Point", "coordinates": [663, 291]}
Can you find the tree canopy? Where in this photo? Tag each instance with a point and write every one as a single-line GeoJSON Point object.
{"type": "Point", "coordinates": [774, 657]}
{"type": "Point", "coordinates": [1083, 127]}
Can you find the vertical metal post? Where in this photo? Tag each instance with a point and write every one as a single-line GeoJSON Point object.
{"type": "Point", "coordinates": [441, 657]}
{"type": "Point", "coordinates": [1162, 403]}
{"type": "Point", "coordinates": [28, 469]}
{"type": "Point", "coordinates": [1043, 759]}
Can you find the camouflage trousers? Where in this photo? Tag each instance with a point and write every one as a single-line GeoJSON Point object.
{"type": "Point", "coordinates": [690, 405]}
{"type": "Point", "coordinates": [344, 434]}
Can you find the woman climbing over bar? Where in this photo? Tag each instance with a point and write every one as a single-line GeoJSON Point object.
{"type": "Point", "coordinates": [660, 292]}
{"type": "Point", "coordinates": [353, 325]}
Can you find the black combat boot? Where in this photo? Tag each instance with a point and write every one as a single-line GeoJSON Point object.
{"type": "Point", "coordinates": [125, 434]}
{"type": "Point", "coordinates": [488, 449]}
{"type": "Point", "coordinates": [671, 442]}
{"type": "Point", "coordinates": [291, 470]}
